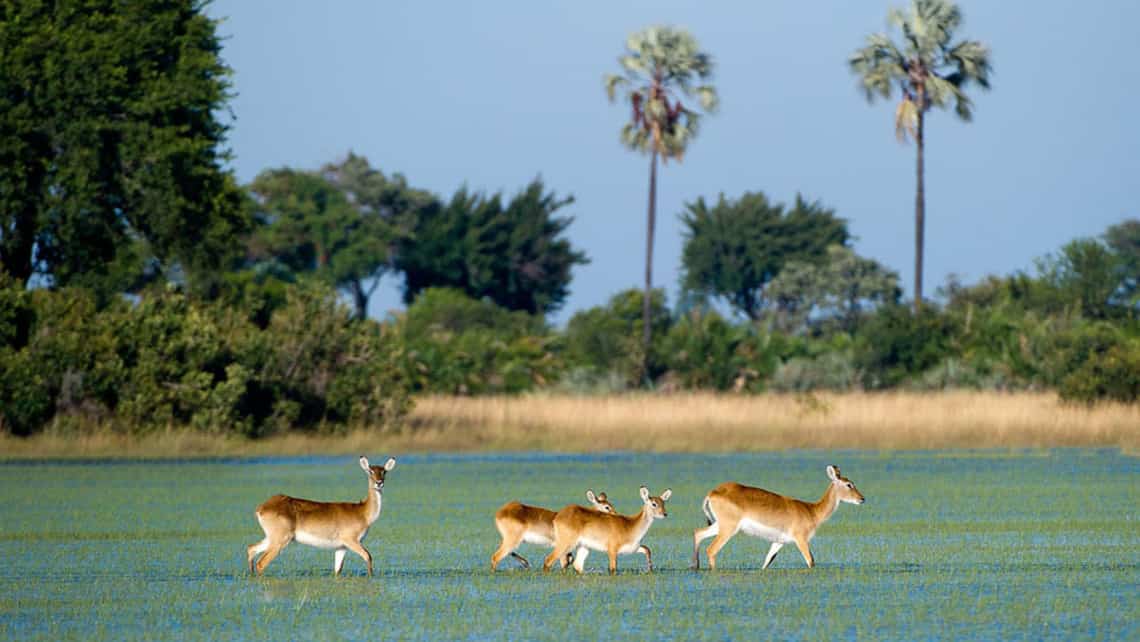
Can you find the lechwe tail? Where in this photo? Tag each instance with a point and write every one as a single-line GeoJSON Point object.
{"type": "Point", "coordinates": [709, 517]}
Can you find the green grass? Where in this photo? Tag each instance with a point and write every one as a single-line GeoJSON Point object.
{"type": "Point", "coordinates": [950, 544]}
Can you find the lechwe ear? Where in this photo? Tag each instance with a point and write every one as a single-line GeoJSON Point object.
{"type": "Point", "coordinates": [364, 464]}
{"type": "Point", "coordinates": [644, 494]}
{"type": "Point", "coordinates": [833, 473]}
{"type": "Point", "coordinates": [590, 497]}
{"type": "Point", "coordinates": [667, 494]}
{"type": "Point", "coordinates": [390, 464]}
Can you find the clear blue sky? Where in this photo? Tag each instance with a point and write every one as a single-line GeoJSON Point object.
{"type": "Point", "coordinates": [491, 94]}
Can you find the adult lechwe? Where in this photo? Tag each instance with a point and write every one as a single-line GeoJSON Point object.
{"type": "Point", "coordinates": [336, 526]}
{"type": "Point", "coordinates": [733, 507]}
{"type": "Point", "coordinates": [518, 523]}
{"type": "Point", "coordinates": [576, 526]}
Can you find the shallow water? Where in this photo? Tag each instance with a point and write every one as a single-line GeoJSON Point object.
{"type": "Point", "coordinates": [951, 544]}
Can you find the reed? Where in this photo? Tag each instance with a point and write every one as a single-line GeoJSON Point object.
{"type": "Point", "coordinates": [662, 423]}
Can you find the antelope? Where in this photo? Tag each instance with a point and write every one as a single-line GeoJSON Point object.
{"type": "Point", "coordinates": [575, 526]}
{"type": "Point", "coordinates": [732, 507]}
{"type": "Point", "coordinates": [518, 523]}
{"type": "Point", "coordinates": [337, 526]}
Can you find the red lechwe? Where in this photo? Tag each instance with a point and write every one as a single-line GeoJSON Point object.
{"type": "Point", "coordinates": [733, 507]}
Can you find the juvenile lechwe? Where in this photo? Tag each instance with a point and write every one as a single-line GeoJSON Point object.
{"type": "Point", "coordinates": [336, 526]}
{"type": "Point", "coordinates": [575, 526]}
{"type": "Point", "coordinates": [733, 507]}
{"type": "Point", "coordinates": [518, 523]}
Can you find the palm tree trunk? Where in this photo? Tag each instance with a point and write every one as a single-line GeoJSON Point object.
{"type": "Point", "coordinates": [919, 214]}
{"type": "Point", "coordinates": [645, 299]}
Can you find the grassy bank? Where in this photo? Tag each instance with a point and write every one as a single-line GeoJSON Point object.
{"type": "Point", "coordinates": [675, 423]}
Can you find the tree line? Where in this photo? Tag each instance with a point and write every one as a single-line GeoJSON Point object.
{"type": "Point", "coordinates": [142, 286]}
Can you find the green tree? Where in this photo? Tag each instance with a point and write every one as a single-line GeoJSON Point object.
{"type": "Point", "coordinates": [1124, 241]}
{"type": "Point", "coordinates": [512, 254]}
{"type": "Point", "coordinates": [661, 64]}
{"type": "Point", "coordinates": [606, 339]}
{"type": "Point", "coordinates": [311, 224]}
{"type": "Point", "coordinates": [110, 146]}
{"type": "Point", "coordinates": [930, 71]}
{"type": "Point", "coordinates": [840, 288]}
{"type": "Point", "coordinates": [734, 248]}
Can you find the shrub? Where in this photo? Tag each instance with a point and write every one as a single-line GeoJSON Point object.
{"type": "Point", "coordinates": [828, 371]}
{"type": "Point", "coordinates": [456, 345]}
{"type": "Point", "coordinates": [704, 351]}
{"type": "Point", "coordinates": [896, 343]}
{"type": "Point", "coordinates": [608, 338]}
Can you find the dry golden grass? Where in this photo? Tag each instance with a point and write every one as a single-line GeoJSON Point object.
{"type": "Point", "coordinates": [674, 423]}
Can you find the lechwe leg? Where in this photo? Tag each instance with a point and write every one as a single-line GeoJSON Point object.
{"type": "Point", "coordinates": [256, 549]}
{"type": "Point", "coordinates": [357, 548]}
{"type": "Point", "coordinates": [724, 533]}
{"type": "Point", "coordinates": [510, 542]}
{"type": "Point", "coordinates": [580, 559]}
{"type": "Point", "coordinates": [338, 560]}
{"type": "Point", "coordinates": [700, 535]}
{"type": "Point", "coordinates": [772, 550]}
{"type": "Point", "coordinates": [643, 549]}
{"type": "Point", "coordinates": [271, 552]}
{"type": "Point", "coordinates": [805, 550]}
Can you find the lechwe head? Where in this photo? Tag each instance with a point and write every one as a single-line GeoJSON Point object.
{"type": "Point", "coordinates": [518, 523]}
{"type": "Point", "coordinates": [338, 526]}
{"type": "Point", "coordinates": [732, 508]}
{"type": "Point", "coordinates": [575, 526]}
{"type": "Point", "coordinates": [845, 490]}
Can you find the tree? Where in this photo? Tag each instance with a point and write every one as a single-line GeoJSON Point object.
{"type": "Point", "coordinates": [734, 248]}
{"type": "Point", "coordinates": [310, 225]}
{"type": "Point", "coordinates": [661, 64]}
{"type": "Point", "coordinates": [1124, 241]}
{"type": "Point", "coordinates": [840, 287]}
{"type": "Point", "coordinates": [930, 72]}
{"type": "Point", "coordinates": [110, 144]}
{"type": "Point", "coordinates": [513, 255]}
{"type": "Point", "coordinates": [390, 206]}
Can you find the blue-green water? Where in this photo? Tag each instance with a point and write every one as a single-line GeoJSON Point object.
{"type": "Point", "coordinates": [950, 545]}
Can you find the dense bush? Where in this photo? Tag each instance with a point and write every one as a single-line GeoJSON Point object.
{"type": "Point", "coordinates": [604, 341]}
{"type": "Point", "coordinates": [704, 351]}
{"type": "Point", "coordinates": [456, 345]}
{"type": "Point", "coordinates": [166, 360]}
{"type": "Point", "coordinates": [897, 343]}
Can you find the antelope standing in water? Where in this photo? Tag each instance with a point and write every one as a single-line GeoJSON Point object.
{"type": "Point", "coordinates": [336, 526]}
{"type": "Point", "coordinates": [586, 529]}
{"type": "Point", "coordinates": [733, 507]}
{"type": "Point", "coordinates": [518, 523]}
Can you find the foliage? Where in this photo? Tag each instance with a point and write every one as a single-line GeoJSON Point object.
{"type": "Point", "coordinates": [662, 64]}
{"type": "Point", "coordinates": [836, 290]}
{"type": "Point", "coordinates": [309, 225]}
{"type": "Point", "coordinates": [703, 351]}
{"type": "Point", "coordinates": [834, 371]}
{"type": "Point", "coordinates": [456, 345]}
{"type": "Point", "coordinates": [897, 342]}
{"type": "Point", "coordinates": [168, 360]}
{"type": "Point", "coordinates": [111, 146]}
{"type": "Point", "coordinates": [733, 249]}
{"type": "Point", "coordinates": [929, 69]}
{"type": "Point", "coordinates": [513, 254]}
{"type": "Point", "coordinates": [606, 339]}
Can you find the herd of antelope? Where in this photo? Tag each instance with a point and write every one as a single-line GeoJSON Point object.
{"type": "Point", "coordinates": [571, 532]}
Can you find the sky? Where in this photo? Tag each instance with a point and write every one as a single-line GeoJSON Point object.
{"type": "Point", "coordinates": [491, 94]}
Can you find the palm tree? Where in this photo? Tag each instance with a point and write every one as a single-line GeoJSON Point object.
{"type": "Point", "coordinates": [661, 65]}
{"type": "Point", "coordinates": [930, 72]}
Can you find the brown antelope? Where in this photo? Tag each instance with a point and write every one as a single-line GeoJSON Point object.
{"type": "Point", "coordinates": [518, 523]}
{"type": "Point", "coordinates": [733, 507]}
{"type": "Point", "coordinates": [337, 526]}
{"type": "Point", "coordinates": [575, 526]}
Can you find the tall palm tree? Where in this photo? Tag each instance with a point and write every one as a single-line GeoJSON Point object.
{"type": "Point", "coordinates": [661, 65]}
{"type": "Point", "coordinates": [929, 71]}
